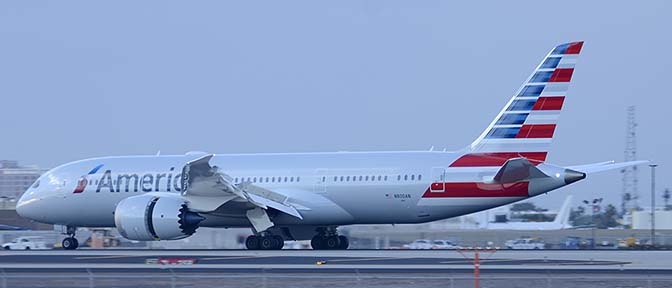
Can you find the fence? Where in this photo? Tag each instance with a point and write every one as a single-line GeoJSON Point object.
{"type": "Point", "coordinates": [352, 278]}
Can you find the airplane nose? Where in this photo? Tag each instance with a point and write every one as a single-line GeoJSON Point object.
{"type": "Point", "coordinates": [26, 207]}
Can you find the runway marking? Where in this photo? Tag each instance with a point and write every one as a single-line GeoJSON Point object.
{"type": "Point", "coordinates": [233, 257]}
{"type": "Point", "coordinates": [368, 259]}
{"type": "Point", "coordinates": [107, 257]}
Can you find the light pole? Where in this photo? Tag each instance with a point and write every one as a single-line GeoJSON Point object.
{"type": "Point", "coordinates": [594, 207]}
{"type": "Point", "coordinates": [653, 204]}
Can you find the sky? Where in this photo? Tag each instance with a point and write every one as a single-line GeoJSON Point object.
{"type": "Point", "coordinates": [80, 79]}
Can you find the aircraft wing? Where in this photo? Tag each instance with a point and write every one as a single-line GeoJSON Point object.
{"type": "Point", "coordinates": [605, 166]}
{"type": "Point", "coordinates": [207, 188]}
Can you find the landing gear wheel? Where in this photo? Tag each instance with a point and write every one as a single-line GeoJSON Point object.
{"type": "Point", "coordinates": [252, 243]}
{"type": "Point", "coordinates": [316, 242]}
{"type": "Point", "coordinates": [70, 243]}
{"type": "Point", "coordinates": [279, 242]}
{"type": "Point", "coordinates": [343, 242]}
{"type": "Point", "coordinates": [331, 242]}
{"type": "Point", "coordinates": [266, 243]}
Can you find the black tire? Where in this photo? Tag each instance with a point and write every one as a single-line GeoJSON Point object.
{"type": "Point", "coordinates": [70, 243]}
{"type": "Point", "coordinates": [252, 243]}
{"type": "Point", "coordinates": [316, 242]}
{"type": "Point", "coordinates": [27, 248]}
{"type": "Point", "coordinates": [266, 243]}
{"type": "Point", "coordinates": [6, 248]}
{"type": "Point", "coordinates": [343, 242]}
{"type": "Point", "coordinates": [331, 242]}
{"type": "Point", "coordinates": [279, 242]}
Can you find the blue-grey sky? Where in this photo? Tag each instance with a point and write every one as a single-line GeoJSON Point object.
{"type": "Point", "coordinates": [92, 78]}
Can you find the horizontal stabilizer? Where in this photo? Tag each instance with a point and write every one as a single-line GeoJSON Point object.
{"type": "Point", "coordinates": [605, 166]}
{"type": "Point", "coordinates": [517, 169]}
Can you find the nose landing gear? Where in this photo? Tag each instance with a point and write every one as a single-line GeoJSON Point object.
{"type": "Point", "coordinates": [70, 243]}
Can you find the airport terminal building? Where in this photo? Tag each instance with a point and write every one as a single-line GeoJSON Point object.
{"type": "Point", "coordinates": [15, 179]}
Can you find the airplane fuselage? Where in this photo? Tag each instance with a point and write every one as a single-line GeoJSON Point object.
{"type": "Point", "coordinates": [367, 187]}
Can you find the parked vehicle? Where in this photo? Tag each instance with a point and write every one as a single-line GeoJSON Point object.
{"type": "Point", "coordinates": [571, 242]}
{"type": "Point", "coordinates": [419, 244]}
{"type": "Point", "coordinates": [526, 243]}
{"type": "Point", "coordinates": [444, 244]}
{"type": "Point", "coordinates": [106, 238]}
{"type": "Point", "coordinates": [25, 243]}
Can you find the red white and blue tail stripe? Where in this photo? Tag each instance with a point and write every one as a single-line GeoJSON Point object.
{"type": "Point", "coordinates": [525, 127]}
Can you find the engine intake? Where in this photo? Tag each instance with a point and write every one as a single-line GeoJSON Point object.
{"type": "Point", "coordinates": [155, 217]}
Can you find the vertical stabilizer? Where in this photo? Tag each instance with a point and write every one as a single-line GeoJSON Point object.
{"type": "Point", "coordinates": [562, 219]}
{"type": "Point", "coordinates": [526, 125]}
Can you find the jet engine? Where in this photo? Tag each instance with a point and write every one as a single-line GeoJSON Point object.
{"type": "Point", "coordinates": [155, 217]}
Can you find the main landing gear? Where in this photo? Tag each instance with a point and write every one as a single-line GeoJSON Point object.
{"type": "Point", "coordinates": [264, 242]}
{"type": "Point", "coordinates": [328, 239]}
{"type": "Point", "coordinates": [70, 243]}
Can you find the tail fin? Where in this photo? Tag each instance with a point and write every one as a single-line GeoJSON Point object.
{"type": "Point", "coordinates": [562, 218]}
{"type": "Point", "coordinates": [525, 127]}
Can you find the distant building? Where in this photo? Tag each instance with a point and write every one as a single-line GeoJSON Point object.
{"type": "Point", "coordinates": [15, 179]}
{"type": "Point", "coordinates": [642, 219]}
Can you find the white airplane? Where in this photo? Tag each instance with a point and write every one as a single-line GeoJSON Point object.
{"type": "Point", "coordinates": [301, 196]}
{"type": "Point", "coordinates": [560, 222]}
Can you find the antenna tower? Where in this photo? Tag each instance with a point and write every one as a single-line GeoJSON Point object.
{"type": "Point", "coordinates": [630, 196]}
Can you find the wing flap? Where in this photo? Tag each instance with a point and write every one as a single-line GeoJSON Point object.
{"type": "Point", "coordinates": [208, 188]}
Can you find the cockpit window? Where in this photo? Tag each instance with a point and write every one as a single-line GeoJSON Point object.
{"type": "Point", "coordinates": [36, 184]}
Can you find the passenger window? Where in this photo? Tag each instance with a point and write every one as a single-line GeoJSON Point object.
{"type": "Point", "coordinates": [297, 178]}
{"type": "Point", "coordinates": [378, 177]}
{"type": "Point", "coordinates": [235, 180]}
{"type": "Point", "coordinates": [266, 179]}
{"type": "Point", "coordinates": [291, 179]}
{"type": "Point", "coordinates": [367, 178]}
{"type": "Point", "coordinates": [324, 179]}
{"type": "Point", "coordinates": [254, 180]}
{"type": "Point", "coordinates": [412, 177]}
{"type": "Point", "coordinates": [335, 177]}
{"type": "Point", "coordinates": [419, 177]}
{"type": "Point", "coordinates": [273, 179]}
{"type": "Point", "coordinates": [360, 178]}
{"type": "Point", "coordinates": [405, 177]}
{"type": "Point", "coordinates": [385, 178]}
{"type": "Point", "coordinates": [285, 179]}
{"type": "Point", "coordinates": [341, 178]}
{"type": "Point", "coordinates": [347, 179]}
{"type": "Point", "coordinates": [398, 177]}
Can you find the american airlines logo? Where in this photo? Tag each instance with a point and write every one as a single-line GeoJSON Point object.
{"type": "Point", "coordinates": [131, 182]}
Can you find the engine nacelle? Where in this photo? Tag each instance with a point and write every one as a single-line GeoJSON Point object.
{"type": "Point", "coordinates": [155, 217]}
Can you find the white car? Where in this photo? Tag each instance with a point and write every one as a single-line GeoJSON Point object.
{"type": "Point", "coordinates": [419, 244]}
{"type": "Point", "coordinates": [525, 243]}
{"type": "Point", "coordinates": [444, 244]}
{"type": "Point", "coordinates": [25, 243]}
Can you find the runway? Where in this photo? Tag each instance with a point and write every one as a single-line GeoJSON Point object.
{"type": "Point", "coordinates": [350, 259]}
{"type": "Point", "coordinates": [286, 268]}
